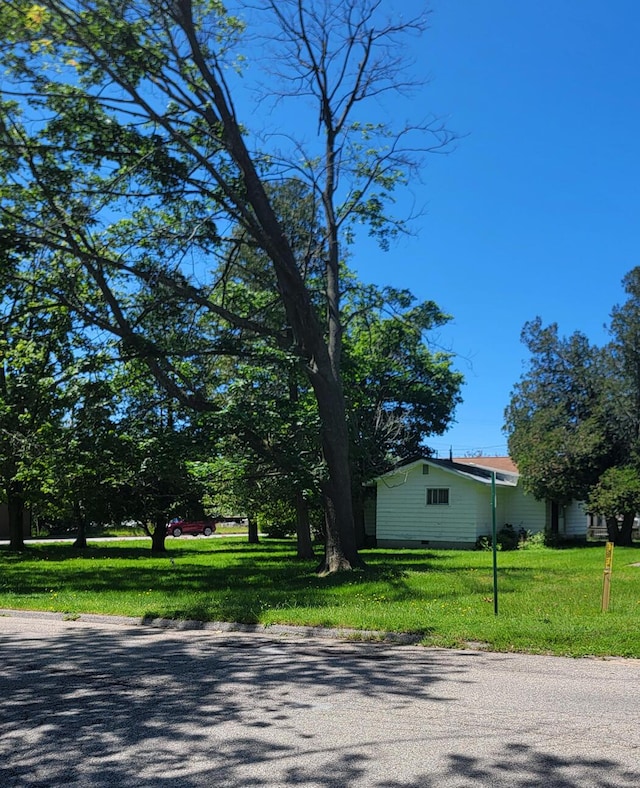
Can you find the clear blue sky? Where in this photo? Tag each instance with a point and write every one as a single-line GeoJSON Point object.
{"type": "Point", "coordinates": [537, 210]}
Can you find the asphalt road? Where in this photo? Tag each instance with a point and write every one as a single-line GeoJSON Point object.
{"type": "Point", "coordinates": [89, 703]}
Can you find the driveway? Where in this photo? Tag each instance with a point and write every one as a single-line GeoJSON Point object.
{"type": "Point", "coordinates": [113, 703]}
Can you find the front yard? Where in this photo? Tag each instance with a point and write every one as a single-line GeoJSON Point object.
{"type": "Point", "coordinates": [549, 600]}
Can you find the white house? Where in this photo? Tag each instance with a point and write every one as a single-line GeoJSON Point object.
{"type": "Point", "coordinates": [447, 503]}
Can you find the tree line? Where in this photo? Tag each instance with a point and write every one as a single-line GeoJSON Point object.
{"type": "Point", "coordinates": [573, 422]}
{"type": "Point", "coordinates": [194, 270]}
{"type": "Point", "coordinates": [87, 434]}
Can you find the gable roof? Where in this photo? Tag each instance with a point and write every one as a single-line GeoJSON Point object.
{"type": "Point", "coordinates": [468, 470]}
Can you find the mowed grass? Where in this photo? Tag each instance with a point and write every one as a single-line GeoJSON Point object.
{"type": "Point", "coordinates": [549, 600]}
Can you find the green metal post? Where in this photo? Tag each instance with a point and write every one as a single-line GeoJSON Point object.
{"type": "Point", "coordinates": [494, 543]}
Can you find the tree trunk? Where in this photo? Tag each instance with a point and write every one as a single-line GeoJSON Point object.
{"type": "Point", "coordinates": [81, 524]}
{"type": "Point", "coordinates": [624, 533]}
{"type": "Point", "coordinates": [555, 518]}
{"type": "Point", "coordinates": [322, 358]}
{"type": "Point", "coordinates": [252, 529]}
{"type": "Point", "coordinates": [358, 494]}
{"type": "Point", "coordinates": [612, 530]}
{"type": "Point", "coordinates": [15, 506]}
{"type": "Point", "coordinates": [340, 547]}
{"type": "Point", "coordinates": [158, 536]}
{"type": "Point", "coordinates": [303, 529]}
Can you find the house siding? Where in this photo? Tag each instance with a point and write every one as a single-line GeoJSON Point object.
{"type": "Point", "coordinates": [575, 521]}
{"type": "Point", "coordinates": [405, 519]}
{"type": "Point", "coordinates": [524, 511]}
{"type": "Point", "coordinates": [484, 514]}
{"type": "Point", "coordinates": [513, 507]}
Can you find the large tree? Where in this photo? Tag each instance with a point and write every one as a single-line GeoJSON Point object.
{"type": "Point", "coordinates": [623, 352]}
{"type": "Point", "coordinates": [36, 361]}
{"type": "Point", "coordinates": [400, 389]}
{"type": "Point", "coordinates": [616, 496]}
{"type": "Point", "coordinates": [136, 106]}
{"type": "Point", "coordinates": [85, 465]}
{"type": "Point", "coordinates": [556, 424]}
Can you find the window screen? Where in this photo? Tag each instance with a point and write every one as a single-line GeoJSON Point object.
{"type": "Point", "coordinates": [437, 496]}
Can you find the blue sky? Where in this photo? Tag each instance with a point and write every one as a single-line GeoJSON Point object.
{"type": "Point", "coordinates": [536, 211]}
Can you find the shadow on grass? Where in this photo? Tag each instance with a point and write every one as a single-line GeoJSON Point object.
{"type": "Point", "coordinates": [86, 706]}
{"type": "Point", "coordinates": [125, 550]}
{"type": "Point", "coordinates": [219, 581]}
{"type": "Point", "coordinates": [239, 593]}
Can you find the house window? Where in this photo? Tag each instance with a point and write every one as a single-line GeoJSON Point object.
{"type": "Point", "coordinates": [437, 496]}
{"type": "Point", "coordinates": [425, 470]}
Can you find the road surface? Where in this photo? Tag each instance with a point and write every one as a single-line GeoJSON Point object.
{"type": "Point", "coordinates": [93, 703]}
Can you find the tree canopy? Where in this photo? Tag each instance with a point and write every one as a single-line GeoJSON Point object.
{"type": "Point", "coordinates": [129, 166]}
{"type": "Point", "coordinates": [556, 434]}
{"type": "Point", "coordinates": [574, 417]}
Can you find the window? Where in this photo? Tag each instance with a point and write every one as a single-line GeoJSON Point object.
{"type": "Point", "coordinates": [437, 496]}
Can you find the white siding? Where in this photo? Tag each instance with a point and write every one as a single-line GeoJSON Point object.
{"type": "Point", "coordinates": [484, 514]}
{"type": "Point", "coordinates": [403, 515]}
{"type": "Point", "coordinates": [512, 506]}
{"type": "Point", "coordinates": [575, 520]}
{"type": "Point", "coordinates": [524, 511]}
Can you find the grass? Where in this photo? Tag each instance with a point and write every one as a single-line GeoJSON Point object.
{"type": "Point", "coordinates": [549, 600]}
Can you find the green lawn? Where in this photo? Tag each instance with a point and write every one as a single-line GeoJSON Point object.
{"type": "Point", "coordinates": [549, 600]}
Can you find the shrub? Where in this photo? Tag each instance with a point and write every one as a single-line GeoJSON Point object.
{"type": "Point", "coordinates": [507, 537]}
{"type": "Point", "coordinates": [275, 528]}
{"type": "Point", "coordinates": [534, 541]}
{"type": "Point", "coordinates": [483, 543]}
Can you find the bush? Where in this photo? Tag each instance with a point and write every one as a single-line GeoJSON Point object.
{"type": "Point", "coordinates": [276, 529]}
{"type": "Point", "coordinates": [483, 543]}
{"type": "Point", "coordinates": [507, 538]}
{"type": "Point", "coordinates": [534, 541]}
{"type": "Point", "coordinates": [552, 540]}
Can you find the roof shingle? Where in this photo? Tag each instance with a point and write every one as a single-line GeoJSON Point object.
{"type": "Point", "coordinates": [505, 464]}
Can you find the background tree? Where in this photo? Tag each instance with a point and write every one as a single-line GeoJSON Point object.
{"type": "Point", "coordinates": [399, 390]}
{"type": "Point", "coordinates": [268, 430]}
{"type": "Point", "coordinates": [35, 361]}
{"type": "Point", "coordinates": [623, 354]}
{"type": "Point", "coordinates": [573, 422]}
{"type": "Point", "coordinates": [159, 446]}
{"type": "Point", "coordinates": [148, 117]}
{"type": "Point", "coordinates": [616, 496]}
{"type": "Point", "coordinates": [87, 462]}
{"type": "Point", "coordinates": [557, 429]}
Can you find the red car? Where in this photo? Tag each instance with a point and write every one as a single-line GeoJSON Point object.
{"type": "Point", "coordinates": [193, 527]}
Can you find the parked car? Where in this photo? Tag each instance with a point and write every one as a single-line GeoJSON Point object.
{"type": "Point", "coordinates": [194, 527]}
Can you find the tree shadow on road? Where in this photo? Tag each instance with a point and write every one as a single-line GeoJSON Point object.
{"type": "Point", "coordinates": [133, 706]}
{"type": "Point", "coordinates": [519, 765]}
